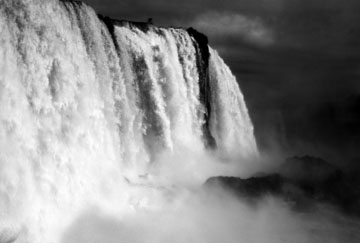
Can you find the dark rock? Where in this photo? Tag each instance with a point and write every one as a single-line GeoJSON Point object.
{"type": "Point", "coordinates": [203, 56]}
{"type": "Point", "coordinates": [332, 186]}
{"type": "Point", "coordinates": [110, 23]}
{"type": "Point", "coordinates": [252, 187]}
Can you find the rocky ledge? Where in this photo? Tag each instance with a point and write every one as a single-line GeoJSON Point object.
{"type": "Point", "coordinates": [302, 182]}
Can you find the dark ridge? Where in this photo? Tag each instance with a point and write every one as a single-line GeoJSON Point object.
{"type": "Point", "coordinates": [251, 187]}
{"type": "Point", "coordinates": [203, 42]}
{"type": "Point", "coordinates": [334, 187]}
{"type": "Point", "coordinates": [109, 23]}
{"type": "Point", "coordinates": [143, 26]}
{"type": "Point", "coordinates": [203, 55]}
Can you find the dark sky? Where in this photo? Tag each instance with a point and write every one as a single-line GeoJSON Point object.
{"type": "Point", "coordinates": [297, 62]}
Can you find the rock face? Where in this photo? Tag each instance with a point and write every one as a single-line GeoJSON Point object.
{"type": "Point", "coordinates": [202, 62]}
{"type": "Point", "coordinates": [324, 183]}
{"type": "Point", "coordinates": [251, 187]}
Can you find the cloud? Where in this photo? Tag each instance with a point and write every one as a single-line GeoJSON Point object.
{"type": "Point", "coordinates": [234, 25]}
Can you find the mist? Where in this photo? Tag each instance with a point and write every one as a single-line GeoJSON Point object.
{"type": "Point", "coordinates": [191, 212]}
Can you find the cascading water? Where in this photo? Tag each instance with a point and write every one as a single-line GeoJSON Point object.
{"type": "Point", "coordinates": [88, 105]}
{"type": "Point", "coordinates": [230, 123]}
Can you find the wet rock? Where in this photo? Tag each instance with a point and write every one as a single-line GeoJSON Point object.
{"type": "Point", "coordinates": [302, 181]}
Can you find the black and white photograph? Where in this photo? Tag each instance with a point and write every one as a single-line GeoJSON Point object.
{"type": "Point", "coordinates": [179, 121]}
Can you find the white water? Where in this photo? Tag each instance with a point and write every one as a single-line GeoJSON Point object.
{"type": "Point", "coordinates": [81, 121]}
{"type": "Point", "coordinates": [230, 123]}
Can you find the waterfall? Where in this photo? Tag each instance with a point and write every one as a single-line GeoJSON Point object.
{"type": "Point", "coordinates": [230, 122]}
{"type": "Point", "coordinates": [86, 102]}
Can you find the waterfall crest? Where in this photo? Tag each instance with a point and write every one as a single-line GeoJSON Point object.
{"type": "Point", "coordinates": [84, 99]}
